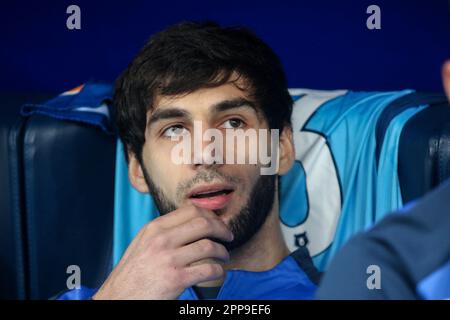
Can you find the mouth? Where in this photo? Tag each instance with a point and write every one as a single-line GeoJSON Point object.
{"type": "Point", "coordinates": [211, 197]}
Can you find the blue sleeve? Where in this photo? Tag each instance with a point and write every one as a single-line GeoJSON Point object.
{"type": "Point", "coordinates": [411, 248]}
{"type": "Point", "coordinates": [83, 293]}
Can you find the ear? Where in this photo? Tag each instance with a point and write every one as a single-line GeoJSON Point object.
{"type": "Point", "coordinates": [286, 151]}
{"type": "Point", "coordinates": [446, 78]}
{"type": "Point", "coordinates": [136, 174]}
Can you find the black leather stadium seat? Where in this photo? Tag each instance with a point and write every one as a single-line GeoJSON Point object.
{"type": "Point", "coordinates": [56, 208]}
{"type": "Point", "coordinates": [424, 151]}
{"type": "Point", "coordinates": [12, 256]}
{"type": "Point", "coordinates": [424, 145]}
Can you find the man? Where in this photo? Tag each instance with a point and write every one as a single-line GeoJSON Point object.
{"type": "Point", "coordinates": [219, 232]}
{"type": "Point", "coordinates": [405, 256]}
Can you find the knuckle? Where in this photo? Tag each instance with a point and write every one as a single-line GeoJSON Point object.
{"type": "Point", "coordinates": [176, 278]}
{"type": "Point", "coordinates": [201, 223]}
{"type": "Point", "coordinates": [213, 270]}
{"type": "Point", "coordinates": [191, 211]}
{"type": "Point", "coordinates": [207, 245]}
{"type": "Point", "coordinates": [184, 278]}
{"type": "Point", "coordinates": [170, 259]}
{"type": "Point", "coordinates": [159, 241]}
{"type": "Point", "coordinates": [152, 226]}
{"type": "Point", "coordinates": [224, 251]}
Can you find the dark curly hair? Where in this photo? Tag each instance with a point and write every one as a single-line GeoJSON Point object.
{"type": "Point", "coordinates": [189, 56]}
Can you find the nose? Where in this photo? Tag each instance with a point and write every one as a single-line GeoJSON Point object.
{"type": "Point", "coordinates": [207, 149]}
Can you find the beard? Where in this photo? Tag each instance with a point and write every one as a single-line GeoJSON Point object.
{"type": "Point", "coordinates": [243, 225]}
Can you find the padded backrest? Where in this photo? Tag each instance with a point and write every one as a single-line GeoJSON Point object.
{"type": "Point", "coordinates": [424, 152]}
{"type": "Point", "coordinates": [56, 205]}
{"type": "Point", "coordinates": [69, 197]}
{"type": "Point", "coordinates": [13, 259]}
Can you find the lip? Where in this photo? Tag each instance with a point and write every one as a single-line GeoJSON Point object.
{"type": "Point", "coordinates": [214, 202]}
{"type": "Point", "coordinates": [209, 188]}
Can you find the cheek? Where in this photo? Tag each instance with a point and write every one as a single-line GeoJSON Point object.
{"type": "Point", "coordinates": [157, 157]}
{"type": "Point", "coordinates": [255, 149]}
{"type": "Point", "coordinates": [249, 174]}
{"type": "Point", "coordinates": [163, 172]}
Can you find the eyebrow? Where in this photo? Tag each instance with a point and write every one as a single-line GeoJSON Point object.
{"type": "Point", "coordinates": [233, 104]}
{"type": "Point", "coordinates": [176, 112]}
{"type": "Point", "coordinates": [167, 113]}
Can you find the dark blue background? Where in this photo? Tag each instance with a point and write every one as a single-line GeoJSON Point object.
{"type": "Point", "coordinates": [322, 44]}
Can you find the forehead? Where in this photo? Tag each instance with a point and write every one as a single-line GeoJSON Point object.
{"type": "Point", "coordinates": [200, 100]}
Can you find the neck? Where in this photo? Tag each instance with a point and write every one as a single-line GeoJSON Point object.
{"type": "Point", "coordinates": [262, 252]}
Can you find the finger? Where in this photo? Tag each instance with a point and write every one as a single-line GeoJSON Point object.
{"type": "Point", "coordinates": [203, 272]}
{"type": "Point", "coordinates": [162, 228]}
{"type": "Point", "coordinates": [182, 215]}
{"type": "Point", "coordinates": [196, 229]}
{"type": "Point", "coordinates": [200, 250]}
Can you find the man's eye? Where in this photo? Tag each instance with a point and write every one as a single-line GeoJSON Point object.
{"type": "Point", "coordinates": [174, 131]}
{"type": "Point", "coordinates": [233, 124]}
